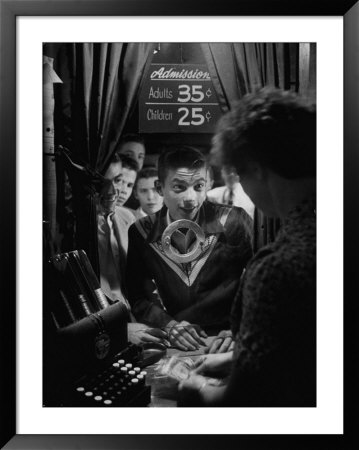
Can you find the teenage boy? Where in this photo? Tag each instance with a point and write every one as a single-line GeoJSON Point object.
{"type": "Point", "coordinates": [132, 146]}
{"type": "Point", "coordinates": [187, 300]}
{"type": "Point", "coordinates": [113, 221]}
{"type": "Point", "coordinates": [146, 193]}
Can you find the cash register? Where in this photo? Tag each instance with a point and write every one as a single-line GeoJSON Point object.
{"type": "Point", "coordinates": [87, 359]}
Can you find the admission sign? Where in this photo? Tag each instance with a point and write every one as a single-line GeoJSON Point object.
{"type": "Point", "coordinates": [178, 98]}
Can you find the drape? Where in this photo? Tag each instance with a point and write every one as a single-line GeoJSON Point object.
{"type": "Point", "coordinates": [100, 87]}
{"type": "Point", "coordinates": [239, 68]}
{"type": "Point", "coordinates": [49, 168]}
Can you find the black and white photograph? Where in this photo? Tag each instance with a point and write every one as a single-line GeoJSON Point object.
{"type": "Point", "coordinates": [173, 192]}
{"type": "Point", "coordinates": [179, 224]}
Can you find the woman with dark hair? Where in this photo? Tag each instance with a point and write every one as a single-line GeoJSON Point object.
{"type": "Point", "coordinates": [270, 137]}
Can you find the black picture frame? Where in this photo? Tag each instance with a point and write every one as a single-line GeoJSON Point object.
{"type": "Point", "coordinates": [9, 10]}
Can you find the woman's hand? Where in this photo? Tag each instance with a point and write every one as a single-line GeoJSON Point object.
{"type": "Point", "coordinates": [217, 365]}
{"type": "Point", "coordinates": [140, 333]}
{"type": "Point", "coordinates": [186, 336]}
{"type": "Point", "coordinates": [222, 343]}
{"type": "Point", "coordinates": [199, 391]}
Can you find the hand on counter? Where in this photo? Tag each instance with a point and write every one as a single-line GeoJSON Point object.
{"type": "Point", "coordinates": [186, 336]}
{"type": "Point", "coordinates": [222, 343]}
{"type": "Point", "coordinates": [212, 365]}
{"type": "Point", "coordinates": [140, 333]}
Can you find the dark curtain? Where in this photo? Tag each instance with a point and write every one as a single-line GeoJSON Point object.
{"type": "Point", "coordinates": [100, 87]}
{"type": "Point", "coordinates": [237, 69]}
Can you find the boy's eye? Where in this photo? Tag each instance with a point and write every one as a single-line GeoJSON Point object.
{"type": "Point", "coordinates": [200, 186]}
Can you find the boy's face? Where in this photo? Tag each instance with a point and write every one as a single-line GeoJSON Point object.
{"type": "Point", "coordinates": [184, 191]}
{"type": "Point", "coordinates": [134, 150]}
{"type": "Point", "coordinates": [111, 187]}
{"type": "Point", "coordinates": [113, 172]}
{"type": "Point", "coordinates": [126, 182]}
{"type": "Point", "coordinates": [146, 193]}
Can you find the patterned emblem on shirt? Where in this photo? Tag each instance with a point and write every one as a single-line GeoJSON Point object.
{"type": "Point", "coordinates": [186, 272]}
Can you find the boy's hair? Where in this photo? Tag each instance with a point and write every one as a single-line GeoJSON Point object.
{"type": "Point", "coordinates": [129, 137]}
{"type": "Point", "coordinates": [272, 127]}
{"type": "Point", "coordinates": [127, 162]}
{"type": "Point", "coordinates": [146, 172]}
{"type": "Point", "coordinates": [179, 156]}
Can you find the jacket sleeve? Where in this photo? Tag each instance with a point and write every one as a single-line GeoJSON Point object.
{"type": "Point", "coordinates": [142, 293]}
{"type": "Point", "coordinates": [274, 356]}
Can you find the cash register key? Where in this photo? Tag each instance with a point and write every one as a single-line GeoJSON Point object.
{"type": "Point", "coordinates": [137, 369]}
{"type": "Point", "coordinates": [116, 365]}
{"type": "Point", "coordinates": [134, 382]}
{"type": "Point", "coordinates": [129, 366]}
{"type": "Point", "coordinates": [80, 389]}
{"type": "Point", "coordinates": [107, 402]}
{"type": "Point", "coordinates": [89, 394]}
{"type": "Point", "coordinates": [141, 378]}
{"type": "Point", "coordinates": [98, 398]}
{"type": "Point", "coordinates": [124, 371]}
{"type": "Point", "coordinates": [132, 373]}
{"type": "Point", "coordinates": [121, 362]}
{"type": "Point", "coordinates": [144, 373]}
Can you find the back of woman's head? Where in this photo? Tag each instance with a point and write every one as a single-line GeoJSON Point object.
{"type": "Point", "coordinates": [272, 127]}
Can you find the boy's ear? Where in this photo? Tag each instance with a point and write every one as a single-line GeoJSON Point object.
{"type": "Point", "coordinates": [158, 187]}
